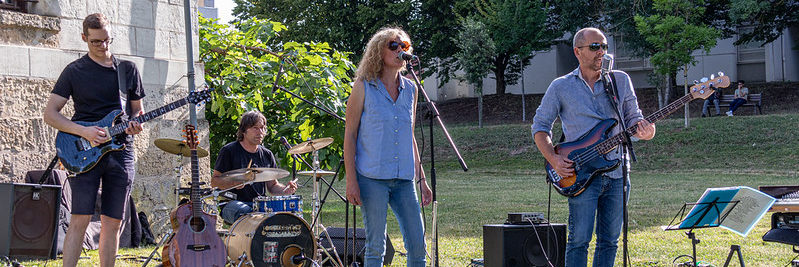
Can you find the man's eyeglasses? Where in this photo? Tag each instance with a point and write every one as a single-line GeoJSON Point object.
{"type": "Point", "coordinates": [595, 46]}
{"type": "Point", "coordinates": [107, 41]}
{"type": "Point", "coordinates": [394, 45]}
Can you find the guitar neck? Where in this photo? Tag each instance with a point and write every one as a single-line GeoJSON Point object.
{"type": "Point", "coordinates": [196, 208]}
{"type": "Point", "coordinates": [611, 143]}
{"type": "Point", "coordinates": [120, 128]}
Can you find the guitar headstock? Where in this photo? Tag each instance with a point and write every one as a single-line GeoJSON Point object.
{"type": "Point", "coordinates": [191, 137]}
{"type": "Point", "coordinates": [198, 97]}
{"type": "Point", "coordinates": [703, 90]}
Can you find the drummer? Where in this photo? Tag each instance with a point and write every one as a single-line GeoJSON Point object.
{"type": "Point", "coordinates": [247, 152]}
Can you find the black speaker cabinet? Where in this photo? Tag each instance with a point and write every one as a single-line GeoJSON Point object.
{"type": "Point", "coordinates": [337, 239]}
{"type": "Point", "coordinates": [29, 219]}
{"type": "Point", "coordinates": [507, 245]}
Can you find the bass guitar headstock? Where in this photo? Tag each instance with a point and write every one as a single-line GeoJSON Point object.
{"type": "Point", "coordinates": [702, 89]}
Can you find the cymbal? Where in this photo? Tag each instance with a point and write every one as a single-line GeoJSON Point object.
{"type": "Point", "coordinates": [177, 147]}
{"type": "Point", "coordinates": [254, 174]}
{"type": "Point", "coordinates": [311, 145]}
{"type": "Point", "coordinates": [319, 173]}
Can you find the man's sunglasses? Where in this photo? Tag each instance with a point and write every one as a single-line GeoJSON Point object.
{"type": "Point", "coordinates": [394, 45]}
{"type": "Point", "coordinates": [595, 46]}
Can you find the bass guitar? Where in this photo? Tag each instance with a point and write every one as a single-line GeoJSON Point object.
{"type": "Point", "coordinates": [590, 150]}
{"type": "Point", "coordinates": [78, 155]}
{"type": "Point", "coordinates": [195, 242]}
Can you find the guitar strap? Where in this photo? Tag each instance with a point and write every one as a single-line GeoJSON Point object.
{"type": "Point", "coordinates": [123, 88]}
{"type": "Point", "coordinates": [615, 89]}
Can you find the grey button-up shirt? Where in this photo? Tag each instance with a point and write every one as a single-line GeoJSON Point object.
{"type": "Point", "coordinates": [580, 109]}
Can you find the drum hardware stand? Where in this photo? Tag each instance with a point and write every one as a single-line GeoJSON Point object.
{"type": "Point", "coordinates": [178, 170]}
{"type": "Point", "coordinates": [160, 244]}
{"type": "Point", "coordinates": [435, 115]}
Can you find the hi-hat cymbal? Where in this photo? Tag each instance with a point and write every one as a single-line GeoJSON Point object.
{"type": "Point", "coordinates": [319, 173]}
{"type": "Point", "coordinates": [311, 145]}
{"type": "Point", "coordinates": [254, 174]}
{"type": "Point", "coordinates": [177, 147]}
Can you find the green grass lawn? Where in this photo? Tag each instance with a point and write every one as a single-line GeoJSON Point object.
{"type": "Point", "coordinates": [505, 175]}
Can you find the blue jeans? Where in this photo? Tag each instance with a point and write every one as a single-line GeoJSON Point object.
{"type": "Point", "coordinates": [601, 200]}
{"type": "Point", "coordinates": [707, 102]}
{"type": "Point", "coordinates": [234, 209]}
{"type": "Point", "coordinates": [376, 196]}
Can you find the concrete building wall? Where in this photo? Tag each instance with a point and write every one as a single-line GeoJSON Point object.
{"type": "Point", "coordinates": [36, 47]}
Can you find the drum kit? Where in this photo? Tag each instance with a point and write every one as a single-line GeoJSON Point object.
{"type": "Point", "coordinates": [274, 233]}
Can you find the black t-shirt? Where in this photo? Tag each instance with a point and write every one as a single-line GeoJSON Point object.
{"type": "Point", "coordinates": [95, 89]}
{"type": "Point", "coordinates": [233, 156]}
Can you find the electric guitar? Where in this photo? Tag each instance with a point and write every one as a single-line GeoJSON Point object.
{"type": "Point", "coordinates": [195, 242]}
{"type": "Point", "coordinates": [78, 155]}
{"type": "Point", "coordinates": [589, 151]}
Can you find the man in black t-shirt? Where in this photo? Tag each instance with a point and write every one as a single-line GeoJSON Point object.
{"type": "Point", "coordinates": [246, 152]}
{"type": "Point", "coordinates": [93, 83]}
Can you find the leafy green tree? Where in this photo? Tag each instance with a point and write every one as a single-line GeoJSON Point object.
{"type": "Point", "coordinates": [241, 67]}
{"type": "Point", "coordinates": [474, 57]}
{"type": "Point", "coordinates": [675, 31]}
{"type": "Point", "coordinates": [517, 28]}
{"type": "Point", "coordinates": [769, 18]}
{"type": "Point", "coordinates": [346, 25]}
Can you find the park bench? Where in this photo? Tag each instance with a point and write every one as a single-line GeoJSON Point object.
{"type": "Point", "coordinates": [754, 100]}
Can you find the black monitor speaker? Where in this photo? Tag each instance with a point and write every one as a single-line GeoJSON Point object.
{"type": "Point", "coordinates": [507, 245]}
{"type": "Point", "coordinates": [29, 214]}
{"type": "Point", "coordinates": [337, 239]}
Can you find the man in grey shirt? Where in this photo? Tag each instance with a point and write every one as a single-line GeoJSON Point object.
{"type": "Point", "coordinates": [581, 101]}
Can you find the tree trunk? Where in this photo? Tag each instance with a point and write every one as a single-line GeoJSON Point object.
{"type": "Point", "coordinates": [500, 64]}
{"type": "Point", "coordinates": [480, 108]}
{"type": "Point", "coordinates": [667, 95]}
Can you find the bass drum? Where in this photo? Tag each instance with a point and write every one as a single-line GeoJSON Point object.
{"type": "Point", "coordinates": [271, 240]}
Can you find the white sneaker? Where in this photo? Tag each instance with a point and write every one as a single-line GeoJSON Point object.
{"type": "Point", "coordinates": [729, 113]}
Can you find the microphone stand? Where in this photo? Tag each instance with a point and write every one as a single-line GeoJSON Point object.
{"type": "Point", "coordinates": [626, 143]}
{"type": "Point", "coordinates": [433, 113]}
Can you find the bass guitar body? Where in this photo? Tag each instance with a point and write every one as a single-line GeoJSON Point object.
{"type": "Point", "coordinates": [195, 242]}
{"type": "Point", "coordinates": [585, 168]}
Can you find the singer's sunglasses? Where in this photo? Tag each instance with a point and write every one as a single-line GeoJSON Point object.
{"type": "Point", "coordinates": [394, 45]}
{"type": "Point", "coordinates": [595, 46]}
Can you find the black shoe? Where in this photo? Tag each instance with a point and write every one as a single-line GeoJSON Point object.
{"type": "Point", "coordinates": [703, 115]}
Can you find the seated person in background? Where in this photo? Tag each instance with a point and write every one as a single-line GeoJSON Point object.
{"type": "Point", "coordinates": [741, 94]}
{"type": "Point", "coordinates": [246, 152]}
{"type": "Point", "coordinates": [713, 98]}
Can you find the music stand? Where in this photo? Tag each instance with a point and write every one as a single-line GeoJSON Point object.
{"type": "Point", "coordinates": [709, 211]}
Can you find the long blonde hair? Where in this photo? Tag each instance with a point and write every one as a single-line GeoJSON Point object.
{"type": "Point", "coordinates": [371, 65]}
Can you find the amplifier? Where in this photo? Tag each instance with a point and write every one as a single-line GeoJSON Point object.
{"type": "Point", "coordinates": [525, 218]}
{"type": "Point", "coordinates": [784, 228]}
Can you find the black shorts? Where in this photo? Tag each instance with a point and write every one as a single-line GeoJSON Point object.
{"type": "Point", "coordinates": [116, 171]}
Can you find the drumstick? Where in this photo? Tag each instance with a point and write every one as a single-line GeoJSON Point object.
{"type": "Point", "coordinates": [287, 186]}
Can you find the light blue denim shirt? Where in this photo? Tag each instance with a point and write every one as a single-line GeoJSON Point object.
{"type": "Point", "coordinates": [580, 109]}
{"type": "Point", "coordinates": [384, 149]}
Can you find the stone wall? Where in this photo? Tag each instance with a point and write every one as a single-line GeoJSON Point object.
{"type": "Point", "coordinates": [36, 47]}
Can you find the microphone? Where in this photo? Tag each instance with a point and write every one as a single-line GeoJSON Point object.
{"type": "Point", "coordinates": [607, 64]}
{"type": "Point", "coordinates": [277, 77]}
{"type": "Point", "coordinates": [405, 56]}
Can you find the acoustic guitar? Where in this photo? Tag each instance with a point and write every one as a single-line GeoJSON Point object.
{"type": "Point", "coordinates": [195, 242]}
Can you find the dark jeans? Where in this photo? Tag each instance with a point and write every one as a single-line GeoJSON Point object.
{"type": "Point", "coordinates": [737, 103]}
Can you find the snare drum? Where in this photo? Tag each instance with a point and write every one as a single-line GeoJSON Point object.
{"type": "Point", "coordinates": [262, 239]}
{"type": "Point", "coordinates": [292, 204]}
